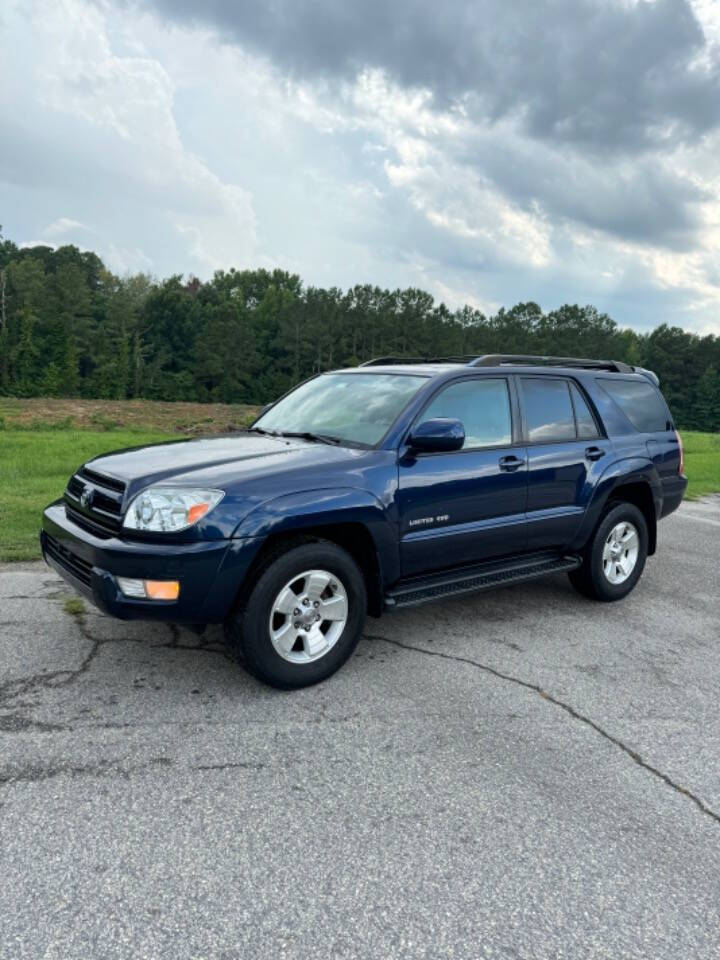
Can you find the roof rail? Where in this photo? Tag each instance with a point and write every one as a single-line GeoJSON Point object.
{"type": "Point", "coordinates": [498, 359]}
{"type": "Point", "coordinates": [384, 361]}
{"type": "Point", "coordinates": [518, 359]}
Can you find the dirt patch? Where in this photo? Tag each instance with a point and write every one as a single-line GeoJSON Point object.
{"type": "Point", "coordinates": [69, 413]}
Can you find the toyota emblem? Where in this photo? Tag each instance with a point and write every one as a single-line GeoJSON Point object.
{"type": "Point", "coordinates": [86, 497]}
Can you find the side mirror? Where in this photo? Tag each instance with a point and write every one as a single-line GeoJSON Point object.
{"type": "Point", "coordinates": [441, 435]}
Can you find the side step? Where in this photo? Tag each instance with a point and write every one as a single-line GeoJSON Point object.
{"type": "Point", "coordinates": [468, 579]}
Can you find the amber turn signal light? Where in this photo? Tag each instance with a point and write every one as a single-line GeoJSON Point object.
{"type": "Point", "coordinates": [162, 589]}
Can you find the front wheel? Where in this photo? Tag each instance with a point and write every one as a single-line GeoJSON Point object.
{"type": "Point", "coordinates": [615, 556]}
{"type": "Point", "coordinates": [303, 617]}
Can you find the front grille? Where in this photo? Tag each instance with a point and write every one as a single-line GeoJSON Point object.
{"type": "Point", "coordinates": [64, 557]}
{"type": "Point", "coordinates": [85, 523]}
{"type": "Point", "coordinates": [104, 512]}
{"type": "Point", "coordinates": [110, 483]}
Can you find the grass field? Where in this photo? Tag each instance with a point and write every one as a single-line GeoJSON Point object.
{"type": "Point", "coordinates": [34, 470]}
{"type": "Point", "coordinates": [702, 463]}
{"type": "Point", "coordinates": [43, 441]}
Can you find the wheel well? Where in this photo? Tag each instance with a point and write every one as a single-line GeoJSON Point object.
{"type": "Point", "coordinates": [352, 537]}
{"type": "Point", "coordinates": [641, 496]}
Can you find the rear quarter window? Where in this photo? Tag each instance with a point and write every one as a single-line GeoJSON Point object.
{"type": "Point", "coordinates": [586, 426]}
{"type": "Point", "coordinates": [641, 403]}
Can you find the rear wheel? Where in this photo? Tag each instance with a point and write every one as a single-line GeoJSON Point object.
{"type": "Point", "coordinates": [303, 617]}
{"type": "Point", "coordinates": [614, 558]}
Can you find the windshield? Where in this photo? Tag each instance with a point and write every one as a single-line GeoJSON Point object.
{"type": "Point", "coordinates": [352, 407]}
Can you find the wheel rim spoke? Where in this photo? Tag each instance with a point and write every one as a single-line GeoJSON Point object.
{"type": "Point", "coordinates": [630, 540]}
{"type": "Point", "coordinates": [285, 637]}
{"type": "Point", "coordinates": [314, 642]}
{"type": "Point", "coordinates": [286, 602]}
{"type": "Point", "coordinates": [335, 608]}
{"type": "Point", "coordinates": [316, 584]}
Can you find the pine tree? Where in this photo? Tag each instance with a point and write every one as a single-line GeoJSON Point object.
{"type": "Point", "coordinates": [25, 357]}
{"type": "Point", "coordinates": [68, 326]}
{"type": "Point", "coordinates": [707, 401]}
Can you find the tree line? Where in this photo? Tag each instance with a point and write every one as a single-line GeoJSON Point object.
{"type": "Point", "coordinates": [70, 327]}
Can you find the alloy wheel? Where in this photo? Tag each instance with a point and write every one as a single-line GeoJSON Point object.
{"type": "Point", "coordinates": [620, 552]}
{"type": "Point", "coordinates": [308, 616]}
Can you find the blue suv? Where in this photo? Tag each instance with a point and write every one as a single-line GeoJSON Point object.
{"type": "Point", "coordinates": [372, 489]}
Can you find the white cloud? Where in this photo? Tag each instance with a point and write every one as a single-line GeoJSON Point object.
{"type": "Point", "coordinates": [167, 150]}
{"type": "Point", "coordinates": [64, 226]}
{"type": "Point", "coordinates": [108, 120]}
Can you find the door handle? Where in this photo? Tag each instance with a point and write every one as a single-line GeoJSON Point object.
{"type": "Point", "coordinates": [594, 453]}
{"type": "Point", "coordinates": [511, 463]}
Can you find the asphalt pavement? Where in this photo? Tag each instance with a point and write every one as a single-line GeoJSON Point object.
{"type": "Point", "coordinates": [516, 774]}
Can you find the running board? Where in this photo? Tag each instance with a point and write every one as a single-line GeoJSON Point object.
{"type": "Point", "coordinates": [469, 579]}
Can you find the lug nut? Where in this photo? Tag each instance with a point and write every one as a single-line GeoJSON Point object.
{"type": "Point", "coordinates": [316, 603]}
{"type": "Point", "coordinates": [306, 602]}
{"type": "Point", "coordinates": [296, 612]}
{"type": "Point", "coordinates": [296, 625]}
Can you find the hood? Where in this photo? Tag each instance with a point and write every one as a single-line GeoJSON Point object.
{"type": "Point", "coordinates": [249, 468]}
{"type": "Point", "coordinates": [162, 460]}
{"type": "Point", "coordinates": [218, 461]}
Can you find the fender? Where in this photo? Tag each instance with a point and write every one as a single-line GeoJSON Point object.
{"type": "Point", "coordinates": [627, 470]}
{"type": "Point", "coordinates": [328, 506]}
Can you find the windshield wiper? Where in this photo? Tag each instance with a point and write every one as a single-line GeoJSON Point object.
{"type": "Point", "coordinates": [267, 433]}
{"type": "Point", "coordinates": [308, 435]}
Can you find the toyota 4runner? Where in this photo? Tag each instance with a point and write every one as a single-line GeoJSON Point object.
{"type": "Point", "coordinates": [372, 489]}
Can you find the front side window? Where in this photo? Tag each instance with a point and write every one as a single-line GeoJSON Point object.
{"type": "Point", "coordinates": [355, 408]}
{"type": "Point", "coordinates": [483, 408]}
{"type": "Point", "coordinates": [548, 409]}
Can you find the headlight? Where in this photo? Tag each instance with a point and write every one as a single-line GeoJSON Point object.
{"type": "Point", "coordinates": [167, 509]}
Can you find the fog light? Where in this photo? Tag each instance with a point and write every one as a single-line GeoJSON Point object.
{"type": "Point", "coordinates": [132, 588]}
{"type": "Point", "coordinates": [149, 589]}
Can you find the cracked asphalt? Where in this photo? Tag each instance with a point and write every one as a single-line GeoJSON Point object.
{"type": "Point", "coordinates": [515, 774]}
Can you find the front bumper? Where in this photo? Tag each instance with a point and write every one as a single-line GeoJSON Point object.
{"type": "Point", "coordinates": [210, 572]}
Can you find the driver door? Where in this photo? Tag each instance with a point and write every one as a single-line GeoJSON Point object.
{"type": "Point", "coordinates": [469, 505]}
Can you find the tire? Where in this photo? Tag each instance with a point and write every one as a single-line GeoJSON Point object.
{"type": "Point", "coordinates": [607, 557]}
{"type": "Point", "coordinates": [266, 639]}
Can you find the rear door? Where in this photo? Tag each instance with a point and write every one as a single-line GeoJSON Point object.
{"type": "Point", "coordinates": [566, 455]}
{"type": "Point", "coordinates": [468, 505]}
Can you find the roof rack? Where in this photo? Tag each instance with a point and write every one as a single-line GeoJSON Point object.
{"type": "Point", "coordinates": [385, 361]}
{"type": "Point", "coordinates": [498, 359]}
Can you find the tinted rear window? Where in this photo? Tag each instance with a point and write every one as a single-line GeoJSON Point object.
{"type": "Point", "coordinates": [640, 402]}
{"type": "Point", "coordinates": [548, 410]}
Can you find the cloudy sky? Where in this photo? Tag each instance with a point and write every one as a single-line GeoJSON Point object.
{"type": "Point", "coordinates": [489, 151]}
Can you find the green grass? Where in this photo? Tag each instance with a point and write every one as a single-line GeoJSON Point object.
{"type": "Point", "coordinates": [75, 607]}
{"type": "Point", "coordinates": [702, 463]}
{"type": "Point", "coordinates": [34, 469]}
{"type": "Point", "coordinates": [35, 466]}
